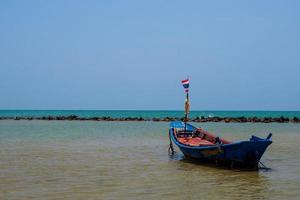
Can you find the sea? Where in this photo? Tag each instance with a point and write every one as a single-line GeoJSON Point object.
{"type": "Point", "coordinates": [129, 160]}
{"type": "Point", "coordinates": [146, 114]}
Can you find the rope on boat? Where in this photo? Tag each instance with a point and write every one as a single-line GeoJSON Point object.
{"type": "Point", "coordinates": [171, 150]}
{"type": "Point", "coordinates": [263, 166]}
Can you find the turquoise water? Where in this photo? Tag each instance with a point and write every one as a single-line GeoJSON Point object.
{"type": "Point", "coordinates": [147, 114]}
{"type": "Point", "coordinates": [129, 160]}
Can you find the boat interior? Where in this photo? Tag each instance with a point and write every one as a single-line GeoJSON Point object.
{"type": "Point", "coordinates": [198, 137]}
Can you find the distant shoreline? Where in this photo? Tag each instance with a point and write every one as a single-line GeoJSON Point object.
{"type": "Point", "coordinates": [242, 119]}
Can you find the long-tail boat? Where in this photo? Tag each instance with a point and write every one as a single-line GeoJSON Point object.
{"type": "Point", "coordinates": [199, 144]}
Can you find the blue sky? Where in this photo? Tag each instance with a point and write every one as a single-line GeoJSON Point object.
{"type": "Point", "coordinates": [240, 55]}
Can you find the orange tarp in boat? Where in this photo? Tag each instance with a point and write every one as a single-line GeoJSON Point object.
{"type": "Point", "coordinates": [195, 141]}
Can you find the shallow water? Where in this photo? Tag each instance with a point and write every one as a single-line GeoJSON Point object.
{"type": "Point", "coordinates": [129, 160]}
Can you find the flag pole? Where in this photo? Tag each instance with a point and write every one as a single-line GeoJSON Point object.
{"type": "Point", "coordinates": [186, 110]}
{"type": "Point", "coordinates": [187, 102]}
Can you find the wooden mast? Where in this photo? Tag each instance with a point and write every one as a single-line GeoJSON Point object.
{"type": "Point", "coordinates": [187, 105]}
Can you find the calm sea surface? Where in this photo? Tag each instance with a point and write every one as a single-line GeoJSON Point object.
{"type": "Point", "coordinates": [146, 114]}
{"type": "Point", "coordinates": [129, 160]}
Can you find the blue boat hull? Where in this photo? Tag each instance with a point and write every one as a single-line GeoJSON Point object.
{"type": "Point", "coordinates": [245, 154]}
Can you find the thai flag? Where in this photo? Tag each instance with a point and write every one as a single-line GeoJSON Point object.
{"type": "Point", "coordinates": [186, 84]}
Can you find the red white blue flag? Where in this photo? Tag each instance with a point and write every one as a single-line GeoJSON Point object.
{"type": "Point", "coordinates": [186, 84]}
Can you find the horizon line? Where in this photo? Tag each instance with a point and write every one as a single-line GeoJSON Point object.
{"type": "Point", "coordinates": [175, 110]}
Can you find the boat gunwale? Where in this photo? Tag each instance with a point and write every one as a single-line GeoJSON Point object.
{"type": "Point", "coordinates": [179, 144]}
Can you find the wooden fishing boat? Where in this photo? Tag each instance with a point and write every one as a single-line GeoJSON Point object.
{"type": "Point", "coordinates": [199, 144]}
